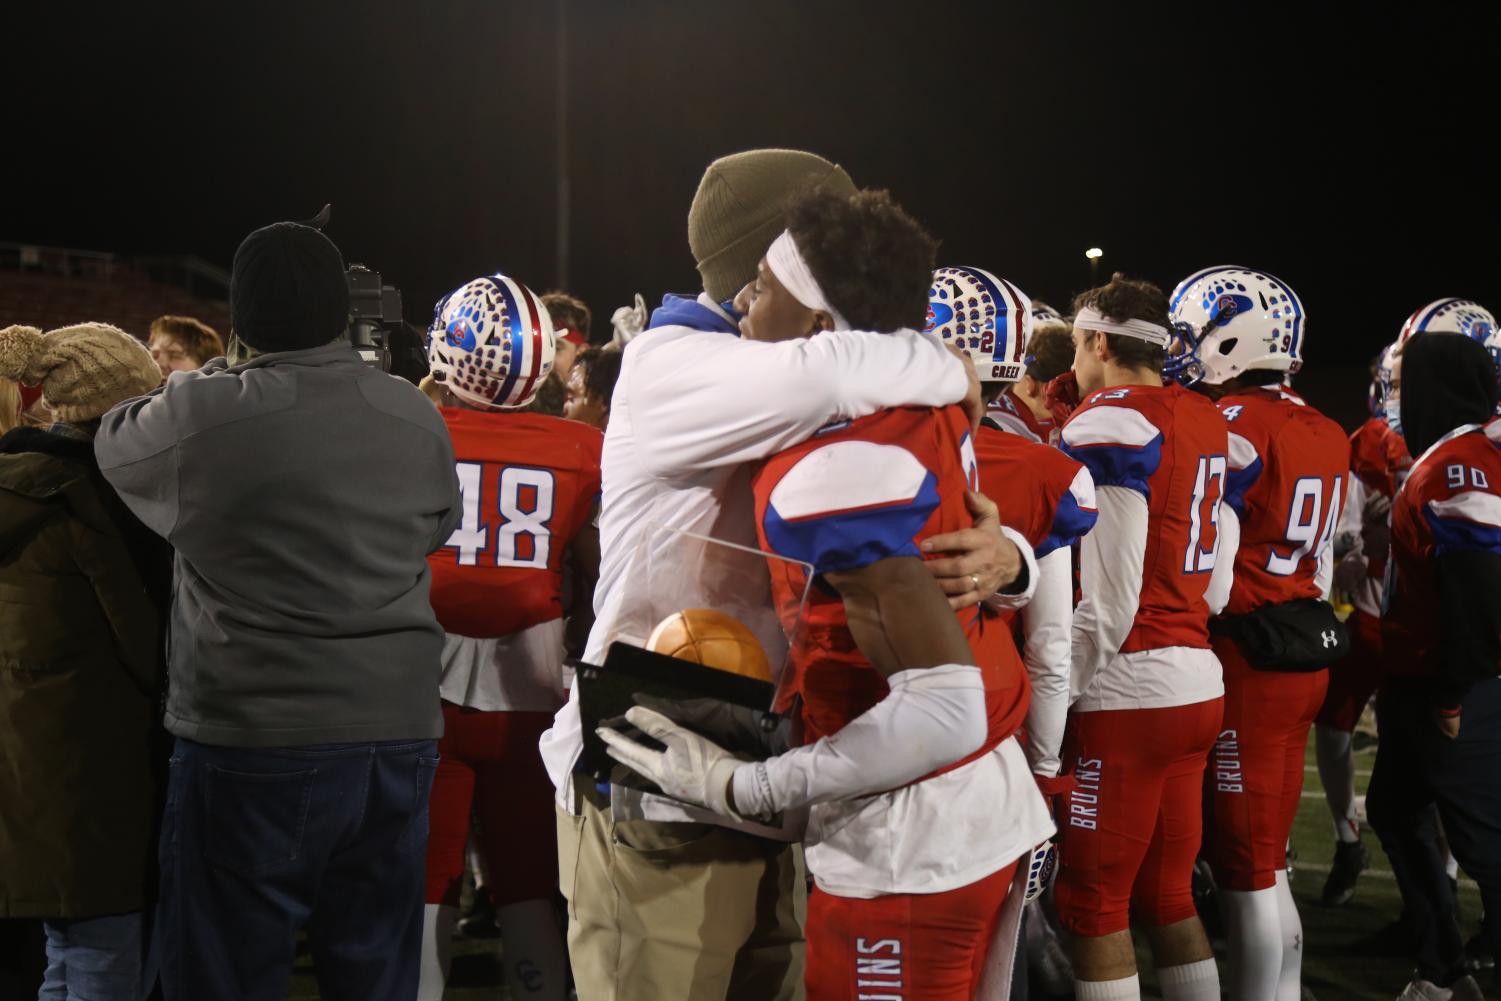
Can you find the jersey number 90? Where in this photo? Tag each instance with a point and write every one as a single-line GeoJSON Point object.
{"type": "Point", "coordinates": [523, 498]}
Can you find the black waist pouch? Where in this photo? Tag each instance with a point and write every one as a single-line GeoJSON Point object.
{"type": "Point", "coordinates": [1302, 635]}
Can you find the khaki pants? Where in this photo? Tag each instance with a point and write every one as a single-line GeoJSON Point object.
{"type": "Point", "coordinates": [660, 911]}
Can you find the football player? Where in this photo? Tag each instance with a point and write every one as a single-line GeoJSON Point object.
{"type": "Point", "coordinates": [591, 386]}
{"type": "Point", "coordinates": [922, 804]}
{"type": "Point", "coordinates": [1147, 686]}
{"type": "Point", "coordinates": [1023, 407]}
{"type": "Point", "coordinates": [1040, 492]}
{"type": "Point", "coordinates": [1378, 464]}
{"type": "Point", "coordinates": [1442, 627]}
{"type": "Point", "coordinates": [1241, 339]}
{"type": "Point", "coordinates": [529, 483]}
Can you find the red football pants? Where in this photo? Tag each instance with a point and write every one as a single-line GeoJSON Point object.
{"type": "Point", "coordinates": [1130, 829]}
{"type": "Point", "coordinates": [903, 946]}
{"type": "Point", "coordinates": [490, 762]}
{"type": "Point", "coordinates": [1353, 680]}
{"type": "Point", "coordinates": [1255, 774]}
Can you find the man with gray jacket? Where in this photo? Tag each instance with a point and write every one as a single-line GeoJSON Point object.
{"type": "Point", "coordinates": [302, 492]}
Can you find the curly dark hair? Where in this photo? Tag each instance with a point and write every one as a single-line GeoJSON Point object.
{"type": "Point", "coordinates": [872, 259]}
{"type": "Point", "coordinates": [601, 369]}
{"type": "Point", "coordinates": [1128, 299]}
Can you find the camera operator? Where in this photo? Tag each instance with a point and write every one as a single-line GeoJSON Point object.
{"type": "Point", "coordinates": [302, 490]}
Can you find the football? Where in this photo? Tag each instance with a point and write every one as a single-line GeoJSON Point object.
{"type": "Point", "coordinates": [712, 639]}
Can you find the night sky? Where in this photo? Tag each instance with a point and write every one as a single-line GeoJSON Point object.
{"type": "Point", "coordinates": [1341, 151]}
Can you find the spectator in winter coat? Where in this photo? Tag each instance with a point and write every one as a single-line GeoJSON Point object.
{"type": "Point", "coordinates": [83, 587]}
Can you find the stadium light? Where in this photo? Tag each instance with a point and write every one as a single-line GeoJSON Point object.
{"type": "Point", "coordinates": [1094, 253]}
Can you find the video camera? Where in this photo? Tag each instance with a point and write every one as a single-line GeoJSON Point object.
{"type": "Point", "coordinates": [374, 315]}
{"type": "Point", "coordinates": [377, 330]}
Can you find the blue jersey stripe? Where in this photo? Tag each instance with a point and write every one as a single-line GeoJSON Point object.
{"type": "Point", "coordinates": [1070, 523]}
{"type": "Point", "coordinates": [848, 540]}
{"type": "Point", "coordinates": [1238, 483]}
{"type": "Point", "coordinates": [1119, 465]}
{"type": "Point", "coordinates": [1460, 535]}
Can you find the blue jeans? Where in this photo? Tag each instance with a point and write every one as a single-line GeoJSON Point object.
{"type": "Point", "coordinates": [258, 843]}
{"type": "Point", "coordinates": [93, 959]}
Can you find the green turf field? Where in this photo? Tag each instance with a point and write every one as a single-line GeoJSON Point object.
{"type": "Point", "coordinates": [1336, 966]}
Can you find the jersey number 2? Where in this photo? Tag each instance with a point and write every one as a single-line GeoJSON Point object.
{"type": "Point", "coordinates": [524, 500]}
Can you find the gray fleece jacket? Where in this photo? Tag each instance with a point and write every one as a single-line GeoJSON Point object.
{"type": "Point", "coordinates": [302, 492]}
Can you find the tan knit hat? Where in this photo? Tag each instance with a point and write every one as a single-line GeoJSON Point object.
{"type": "Point", "coordinates": [740, 207]}
{"type": "Point", "coordinates": [83, 370]}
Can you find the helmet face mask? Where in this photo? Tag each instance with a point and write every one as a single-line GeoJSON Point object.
{"type": "Point", "coordinates": [984, 316]}
{"type": "Point", "coordinates": [1229, 320]}
{"type": "Point", "coordinates": [1382, 388]}
{"type": "Point", "coordinates": [1183, 365]}
{"type": "Point", "coordinates": [491, 343]}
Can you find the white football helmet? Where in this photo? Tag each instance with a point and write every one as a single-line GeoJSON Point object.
{"type": "Point", "coordinates": [1451, 316]}
{"type": "Point", "coordinates": [1229, 320]}
{"type": "Point", "coordinates": [1043, 313]}
{"type": "Point", "coordinates": [986, 317]}
{"type": "Point", "coordinates": [491, 343]}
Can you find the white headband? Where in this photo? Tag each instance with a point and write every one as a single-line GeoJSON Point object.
{"type": "Point", "coordinates": [786, 262]}
{"type": "Point", "coordinates": [1090, 318]}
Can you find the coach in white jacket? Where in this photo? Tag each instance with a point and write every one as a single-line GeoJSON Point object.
{"type": "Point", "coordinates": [666, 900]}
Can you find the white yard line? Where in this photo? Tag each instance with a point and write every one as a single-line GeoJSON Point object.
{"type": "Point", "coordinates": [1320, 867]}
{"type": "Point", "coordinates": [1359, 800]}
{"type": "Point", "coordinates": [1359, 773]}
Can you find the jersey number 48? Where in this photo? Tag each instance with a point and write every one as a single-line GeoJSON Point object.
{"type": "Point", "coordinates": [523, 497]}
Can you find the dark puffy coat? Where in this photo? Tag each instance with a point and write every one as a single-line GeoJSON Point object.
{"type": "Point", "coordinates": [81, 668]}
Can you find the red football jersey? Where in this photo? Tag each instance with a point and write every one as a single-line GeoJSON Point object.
{"type": "Point", "coordinates": [1170, 446]}
{"type": "Point", "coordinates": [1378, 456]}
{"type": "Point", "coordinates": [1288, 480]}
{"type": "Point", "coordinates": [527, 483]}
{"type": "Point", "coordinates": [1042, 493]}
{"type": "Point", "coordinates": [853, 494]}
{"type": "Point", "coordinates": [1013, 415]}
{"type": "Point", "coordinates": [1451, 502]}
{"type": "Point", "coordinates": [1038, 489]}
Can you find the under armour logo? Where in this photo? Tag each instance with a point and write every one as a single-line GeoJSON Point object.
{"type": "Point", "coordinates": [1331, 638]}
{"type": "Point", "coordinates": [530, 977]}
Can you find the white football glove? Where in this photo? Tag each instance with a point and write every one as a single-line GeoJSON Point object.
{"type": "Point", "coordinates": [693, 769]}
{"type": "Point", "coordinates": [629, 321]}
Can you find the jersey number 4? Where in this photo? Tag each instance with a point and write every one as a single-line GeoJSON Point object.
{"type": "Point", "coordinates": [524, 500]}
{"type": "Point", "coordinates": [1310, 524]}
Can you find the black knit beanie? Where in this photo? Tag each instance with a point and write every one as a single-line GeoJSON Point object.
{"type": "Point", "coordinates": [1447, 380]}
{"type": "Point", "coordinates": [287, 290]}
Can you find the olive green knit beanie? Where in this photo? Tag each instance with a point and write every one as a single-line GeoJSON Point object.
{"type": "Point", "coordinates": [740, 207]}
